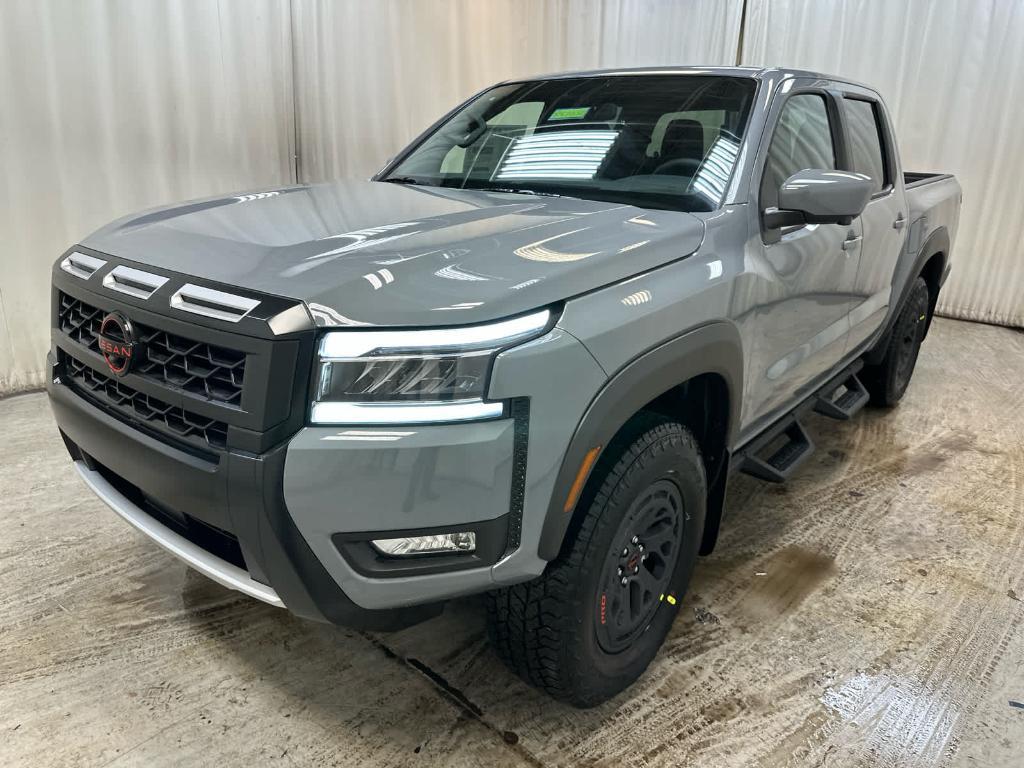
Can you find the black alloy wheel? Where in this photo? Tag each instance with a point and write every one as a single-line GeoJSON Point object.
{"type": "Point", "coordinates": [887, 381]}
{"type": "Point", "coordinates": [638, 567]}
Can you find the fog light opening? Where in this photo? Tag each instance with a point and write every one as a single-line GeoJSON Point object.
{"type": "Point", "coordinates": [460, 541]}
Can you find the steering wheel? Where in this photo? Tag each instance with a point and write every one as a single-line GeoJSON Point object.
{"type": "Point", "coordinates": [680, 166]}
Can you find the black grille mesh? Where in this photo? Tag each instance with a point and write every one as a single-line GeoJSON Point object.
{"type": "Point", "coordinates": [185, 425]}
{"type": "Point", "coordinates": [80, 321]}
{"type": "Point", "coordinates": [216, 373]}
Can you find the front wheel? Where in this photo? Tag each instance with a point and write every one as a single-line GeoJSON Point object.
{"type": "Point", "coordinates": [887, 382]}
{"type": "Point", "coordinates": [589, 626]}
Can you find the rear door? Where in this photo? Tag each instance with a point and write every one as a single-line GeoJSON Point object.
{"type": "Point", "coordinates": [871, 151]}
{"type": "Point", "coordinates": [805, 274]}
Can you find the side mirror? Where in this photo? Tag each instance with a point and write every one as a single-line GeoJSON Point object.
{"type": "Point", "coordinates": [820, 197]}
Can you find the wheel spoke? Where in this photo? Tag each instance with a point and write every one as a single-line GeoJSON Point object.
{"type": "Point", "coordinates": [636, 602]}
{"type": "Point", "coordinates": [626, 612]}
{"type": "Point", "coordinates": [657, 542]}
{"type": "Point", "coordinates": [650, 582]}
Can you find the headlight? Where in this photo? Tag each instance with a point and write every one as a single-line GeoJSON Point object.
{"type": "Point", "coordinates": [392, 377]}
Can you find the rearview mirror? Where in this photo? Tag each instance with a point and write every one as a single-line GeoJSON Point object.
{"type": "Point", "coordinates": [820, 197]}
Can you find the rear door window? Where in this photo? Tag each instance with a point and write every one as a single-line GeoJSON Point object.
{"type": "Point", "coordinates": [866, 141]}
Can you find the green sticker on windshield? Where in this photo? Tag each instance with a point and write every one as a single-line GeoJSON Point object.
{"type": "Point", "coordinates": [569, 113]}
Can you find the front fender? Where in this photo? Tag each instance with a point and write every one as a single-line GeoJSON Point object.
{"type": "Point", "coordinates": [711, 349]}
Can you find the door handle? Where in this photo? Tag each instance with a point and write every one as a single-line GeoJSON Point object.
{"type": "Point", "coordinates": [900, 222]}
{"type": "Point", "coordinates": [850, 242]}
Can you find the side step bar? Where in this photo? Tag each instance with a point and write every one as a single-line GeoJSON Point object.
{"type": "Point", "coordinates": [776, 452]}
{"type": "Point", "coordinates": [844, 401]}
{"type": "Point", "coordinates": [784, 460]}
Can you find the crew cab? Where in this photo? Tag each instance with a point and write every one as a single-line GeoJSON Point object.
{"type": "Point", "coordinates": [523, 359]}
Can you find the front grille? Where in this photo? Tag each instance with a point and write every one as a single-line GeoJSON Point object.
{"type": "Point", "coordinates": [213, 372]}
{"type": "Point", "coordinates": [116, 397]}
{"type": "Point", "coordinates": [80, 321]}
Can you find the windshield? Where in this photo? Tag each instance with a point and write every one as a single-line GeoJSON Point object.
{"type": "Point", "coordinates": [655, 141]}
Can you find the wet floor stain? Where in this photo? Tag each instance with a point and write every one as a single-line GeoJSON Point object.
{"type": "Point", "coordinates": [780, 583]}
{"type": "Point", "coordinates": [933, 457]}
{"type": "Point", "coordinates": [925, 462]}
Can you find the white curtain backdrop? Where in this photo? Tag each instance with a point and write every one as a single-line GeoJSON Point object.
{"type": "Point", "coordinates": [952, 73]}
{"type": "Point", "coordinates": [110, 107]}
{"type": "Point", "coordinates": [372, 75]}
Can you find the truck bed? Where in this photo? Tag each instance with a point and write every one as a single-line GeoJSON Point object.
{"type": "Point", "coordinates": [919, 179]}
{"type": "Point", "coordinates": [933, 202]}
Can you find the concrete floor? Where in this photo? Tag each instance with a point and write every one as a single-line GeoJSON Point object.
{"type": "Point", "coordinates": [869, 613]}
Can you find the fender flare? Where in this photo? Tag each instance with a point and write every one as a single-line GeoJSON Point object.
{"type": "Point", "coordinates": [715, 348]}
{"type": "Point", "coordinates": [936, 243]}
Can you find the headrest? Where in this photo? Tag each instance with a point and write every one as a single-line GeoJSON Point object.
{"type": "Point", "coordinates": [682, 132]}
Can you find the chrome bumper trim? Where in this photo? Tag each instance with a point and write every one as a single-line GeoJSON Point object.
{"type": "Point", "coordinates": [222, 572]}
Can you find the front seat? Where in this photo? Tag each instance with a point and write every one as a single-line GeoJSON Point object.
{"type": "Point", "coordinates": [683, 141]}
{"type": "Point", "coordinates": [627, 155]}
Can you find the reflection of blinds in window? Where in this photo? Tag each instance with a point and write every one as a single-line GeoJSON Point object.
{"type": "Point", "coordinates": [865, 142]}
{"type": "Point", "coordinates": [802, 140]}
{"type": "Point", "coordinates": [558, 155]}
{"type": "Point", "coordinates": [714, 173]}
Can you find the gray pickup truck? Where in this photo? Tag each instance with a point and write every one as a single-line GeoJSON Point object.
{"type": "Point", "coordinates": [523, 359]}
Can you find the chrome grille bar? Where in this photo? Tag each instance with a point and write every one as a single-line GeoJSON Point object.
{"type": "Point", "coordinates": [210, 303]}
{"type": "Point", "coordinates": [81, 265]}
{"type": "Point", "coordinates": [134, 282]}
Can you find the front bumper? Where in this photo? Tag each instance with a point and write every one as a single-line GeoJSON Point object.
{"type": "Point", "coordinates": [291, 525]}
{"type": "Point", "coordinates": [241, 493]}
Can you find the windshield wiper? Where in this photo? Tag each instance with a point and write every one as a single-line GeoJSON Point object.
{"type": "Point", "coordinates": [407, 180]}
{"type": "Point", "coordinates": [413, 181]}
{"type": "Point", "coordinates": [516, 191]}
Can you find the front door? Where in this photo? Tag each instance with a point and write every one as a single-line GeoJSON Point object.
{"type": "Point", "coordinates": [798, 329]}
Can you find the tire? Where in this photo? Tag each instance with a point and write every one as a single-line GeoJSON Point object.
{"type": "Point", "coordinates": [887, 382]}
{"type": "Point", "coordinates": [561, 632]}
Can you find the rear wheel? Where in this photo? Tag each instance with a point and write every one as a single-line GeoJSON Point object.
{"type": "Point", "coordinates": [589, 626]}
{"type": "Point", "coordinates": [887, 382]}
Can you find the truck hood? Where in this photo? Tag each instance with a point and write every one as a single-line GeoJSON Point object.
{"type": "Point", "coordinates": [375, 253]}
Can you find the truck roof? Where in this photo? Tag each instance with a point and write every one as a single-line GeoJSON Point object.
{"type": "Point", "coordinates": [757, 73]}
